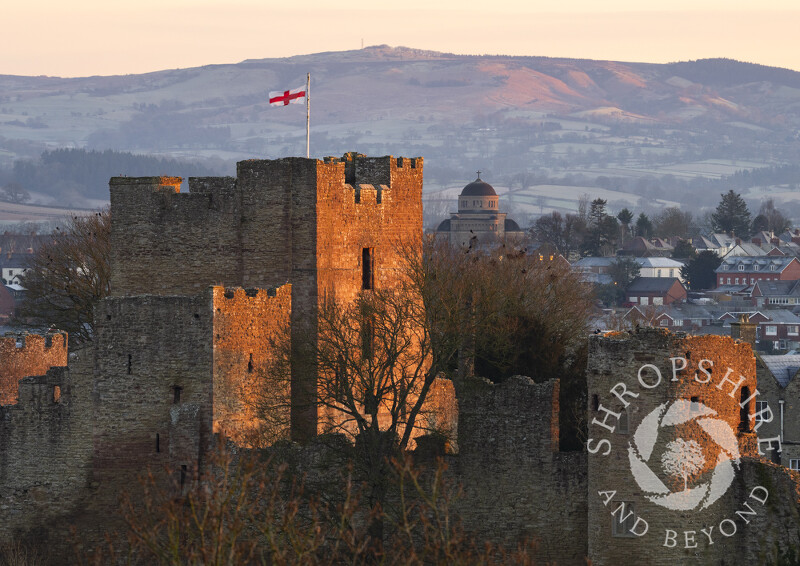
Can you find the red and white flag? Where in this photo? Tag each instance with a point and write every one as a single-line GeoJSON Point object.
{"type": "Point", "coordinates": [282, 98]}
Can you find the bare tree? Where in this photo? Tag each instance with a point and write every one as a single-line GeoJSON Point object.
{"type": "Point", "coordinates": [378, 357]}
{"type": "Point", "coordinates": [67, 275]}
{"type": "Point", "coordinates": [14, 192]}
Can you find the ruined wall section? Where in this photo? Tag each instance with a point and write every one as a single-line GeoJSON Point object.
{"type": "Point", "coordinates": [22, 355]}
{"type": "Point", "coordinates": [516, 484]}
{"type": "Point", "coordinates": [153, 388]}
{"type": "Point", "coordinates": [618, 358]}
{"type": "Point", "coordinates": [247, 323]}
{"type": "Point", "coordinates": [45, 454]}
{"type": "Point", "coordinates": [165, 242]}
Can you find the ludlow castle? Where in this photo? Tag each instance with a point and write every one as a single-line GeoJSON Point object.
{"type": "Point", "coordinates": [201, 281]}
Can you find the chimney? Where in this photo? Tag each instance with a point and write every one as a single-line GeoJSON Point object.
{"type": "Point", "coordinates": [744, 330]}
{"type": "Point", "coordinates": [775, 241]}
{"type": "Point", "coordinates": [738, 241]}
{"type": "Point", "coordinates": [757, 241]}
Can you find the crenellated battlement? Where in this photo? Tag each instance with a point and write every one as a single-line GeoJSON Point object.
{"type": "Point", "coordinates": [281, 293]}
{"type": "Point", "coordinates": [25, 354]}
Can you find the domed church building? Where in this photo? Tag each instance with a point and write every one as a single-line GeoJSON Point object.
{"type": "Point", "coordinates": [478, 219]}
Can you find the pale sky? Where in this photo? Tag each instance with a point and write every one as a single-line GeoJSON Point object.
{"type": "Point", "coordinates": [105, 37]}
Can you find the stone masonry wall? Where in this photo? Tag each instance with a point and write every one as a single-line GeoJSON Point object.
{"type": "Point", "coordinates": [622, 358]}
{"type": "Point", "coordinates": [295, 220]}
{"type": "Point", "coordinates": [152, 390]}
{"type": "Point", "coordinates": [517, 485]}
{"type": "Point", "coordinates": [22, 355]}
{"type": "Point", "coordinates": [45, 455]}
{"type": "Point", "coordinates": [246, 323]}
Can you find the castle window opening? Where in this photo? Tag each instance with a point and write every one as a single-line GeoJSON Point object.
{"type": "Point", "coordinates": [130, 362]}
{"type": "Point", "coordinates": [367, 275]}
{"type": "Point", "coordinates": [623, 519]}
{"type": "Point", "coordinates": [250, 364]}
{"type": "Point", "coordinates": [744, 412]}
{"type": "Point", "coordinates": [158, 442]}
{"type": "Point", "coordinates": [56, 394]}
{"type": "Point", "coordinates": [595, 402]}
{"type": "Point", "coordinates": [176, 394]}
{"type": "Point", "coordinates": [622, 423]}
{"type": "Point", "coordinates": [184, 470]}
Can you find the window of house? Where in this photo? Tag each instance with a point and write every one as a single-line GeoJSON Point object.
{"type": "Point", "coordinates": [761, 406]}
{"type": "Point", "coordinates": [644, 301]}
{"type": "Point", "coordinates": [623, 518]}
{"type": "Point", "coordinates": [772, 268]}
{"type": "Point", "coordinates": [782, 344]}
{"type": "Point", "coordinates": [658, 273]}
{"type": "Point", "coordinates": [791, 330]}
{"type": "Point", "coordinates": [677, 322]}
{"type": "Point", "coordinates": [367, 265]}
{"type": "Point", "coordinates": [658, 300]}
{"type": "Point", "coordinates": [736, 281]}
{"type": "Point", "coordinates": [671, 273]}
{"type": "Point", "coordinates": [771, 329]}
{"type": "Point", "coordinates": [663, 322]}
{"type": "Point", "coordinates": [634, 300]}
{"type": "Point", "coordinates": [729, 280]}
{"type": "Point", "coordinates": [741, 267]}
{"type": "Point", "coordinates": [794, 464]}
{"type": "Point", "coordinates": [755, 267]}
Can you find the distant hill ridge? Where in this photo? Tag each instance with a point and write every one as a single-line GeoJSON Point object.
{"type": "Point", "coordinates": [463, 112]}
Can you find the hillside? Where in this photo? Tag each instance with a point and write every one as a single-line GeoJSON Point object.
{"type": "Point", "coordinates": [648, 127]}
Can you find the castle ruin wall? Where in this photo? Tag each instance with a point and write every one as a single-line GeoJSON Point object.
{"type": "Point", "coordinates": [22, 355]}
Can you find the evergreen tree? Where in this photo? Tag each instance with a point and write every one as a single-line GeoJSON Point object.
{"type": "Point", "coordinates": [625, 218]}
{"type": "Point", "coordinates": [644, 227]}
{"type": "Point", "coordinates": [699, 272]}
{"type": "Point", "coordinates": [684, 249]}
{"type": "Point", "coordinates": [603, 230]}
{"type": "Point", "coordinates": [732, 216]}
{"type": "Point", "coordinates": [623, 271]}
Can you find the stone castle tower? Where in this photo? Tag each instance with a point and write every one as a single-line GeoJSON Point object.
{"type": "Point", "coordinates": [329, 228]}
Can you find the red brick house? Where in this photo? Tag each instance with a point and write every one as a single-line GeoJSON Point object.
{"type": "Point", "coordinates": [746, 270]}
{"type": "Point", "coordinates": [655, 291]}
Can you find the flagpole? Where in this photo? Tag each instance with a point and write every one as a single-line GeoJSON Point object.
{"type": "Point", "coordinates": [308, 115]}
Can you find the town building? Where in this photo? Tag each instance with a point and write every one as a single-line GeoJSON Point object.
{"type": "Point", "coordinates": [478, 220]}
{"type": "Point", "coordinates": [744, 270]}
{"type": "Point", "coordinates": [655, 291]}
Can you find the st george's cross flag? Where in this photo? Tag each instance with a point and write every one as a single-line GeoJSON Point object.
{"type": "Point", "coordinates": [282, 98]}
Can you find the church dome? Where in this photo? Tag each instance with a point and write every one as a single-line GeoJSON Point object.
{"type": "Point", "coordinates": [478, 188]}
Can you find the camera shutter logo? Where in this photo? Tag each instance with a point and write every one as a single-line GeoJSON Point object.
{"type": "Point", "coordinates": [683, 458]}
